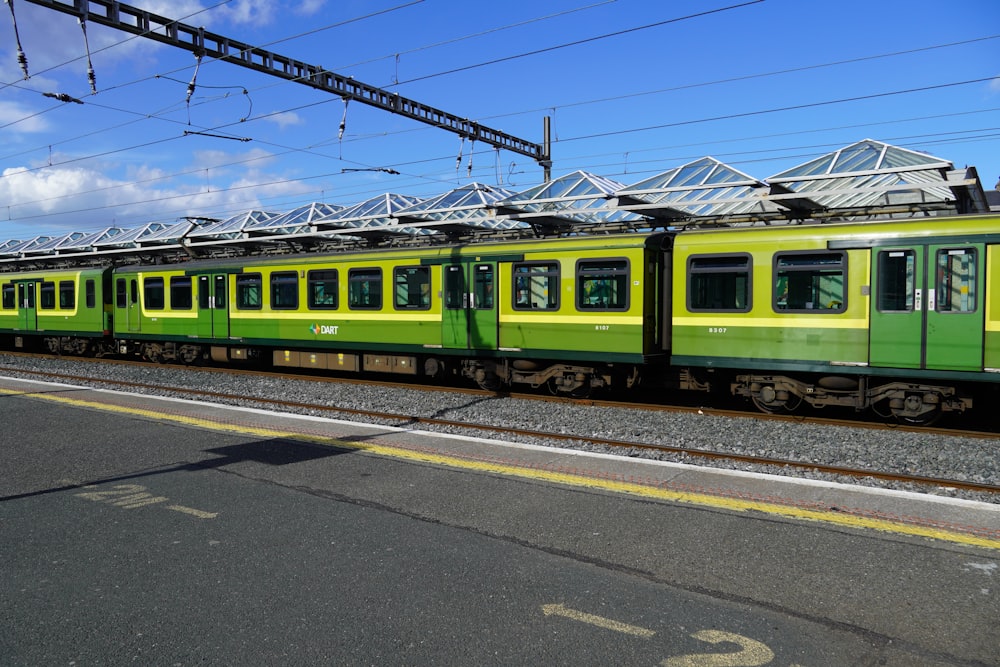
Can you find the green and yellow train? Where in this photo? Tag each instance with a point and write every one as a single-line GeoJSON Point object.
{"type": "Point", "coordinates": [899, 316]}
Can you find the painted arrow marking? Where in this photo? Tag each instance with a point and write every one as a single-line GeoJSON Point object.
{"type": "Point", "coordinates": [599, 621]}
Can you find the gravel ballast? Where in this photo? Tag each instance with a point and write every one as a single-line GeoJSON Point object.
{"type": "Point", "coordinates": [929, 455]}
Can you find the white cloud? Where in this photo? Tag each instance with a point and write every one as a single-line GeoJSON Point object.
{"type": "Point", "coordinates": [57, 200]}
{"type": "Point", "coordinates": [285, 119]}
{"type": "Point", "coordinates": [252, 12]}
{"type": "Point", "coordinates": [309, 7]}
{"type": "Point", "coordinates": [16, 117]}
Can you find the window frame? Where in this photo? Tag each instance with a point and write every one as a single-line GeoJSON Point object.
{"type": "Point", "coordinates": [317, 277]}
{"type": "Point", "coordinates": [939, 289]}
{"type": "Point", "coordinates": [90, 293]}
{"type": "Point", "coordinates": [734, 269]}
{"type": "Point", "coordinates": [121, 293]}
{"type": "Point", "coordinates": [244, 283]}
{"type": "Point", "coordinates": [815, 269]}
{"type": "Point", "coordinates": [279, 284]}
{"type": "Point", "coordinates": [909, 281]}
{"type": "Point", "coordinates": [47, 295]}
{"type": "Point", "coordinates": [154, 293]}
{"type": "Point", "coordinates": [553, 274]}
{"type": "Point", "coordinates": [603, 272]}
{"type": "Point", "coordinates": [423, 297]}
{"type": "Point", "coordinates": [185, 291]}
{"type": "Point", "coordinates": [364, 274]}
{"type": "Point", "coordinates": [66, 290]}
{"type": "Point", "coordinates": [8, 296]}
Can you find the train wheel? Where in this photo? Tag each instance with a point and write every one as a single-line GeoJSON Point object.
{"type": "Point", "coordinates": [557, 389]}
{"type": "Point", "coordinates": [915, 410]}
{"type": "Point", "coordinates": [925, 419]}
{"type": "Point", "coordinates": [774, 402]}
{"type": "Point", "coordinates": [489, 382]}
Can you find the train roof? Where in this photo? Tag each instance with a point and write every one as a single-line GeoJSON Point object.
{"type": "Point", "coordinates": [865, 181]}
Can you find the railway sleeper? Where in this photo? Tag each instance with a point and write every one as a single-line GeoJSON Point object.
{"type": "Point", "coordinates": [913, 403]}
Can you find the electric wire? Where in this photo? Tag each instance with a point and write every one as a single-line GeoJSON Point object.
{"type": "Point", "coordinates": [614, 133]}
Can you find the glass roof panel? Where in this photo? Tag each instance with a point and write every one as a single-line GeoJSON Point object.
{"type": "Point", "coordinates": [5, 246]}
{"type": "Point", "coordinates": [129, 237]}
{"type": "Point", "coordinates": [53, 243]}
{"type": "Point", "coordinates": [568, 199]}
{"type": "Point", "coordinates": [868, 173]}
{"type": "Point", "coordinates": [169, 234]}
{"type": "Point", "coordinates": [231, 227]}
{"type": "Point", "coordinates": [705, 187]}
{"type": "Point", "coordinates": [377, 210]}
{"type": "Point", "coordinates": [295, 221]}
{"type": "Point", "coordinates": [26, 245]}
{"type": "Point", "coordinates": [88, 241]}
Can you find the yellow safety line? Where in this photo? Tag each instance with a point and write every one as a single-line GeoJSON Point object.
{"type": "Point", "coordinates": [632, 488]}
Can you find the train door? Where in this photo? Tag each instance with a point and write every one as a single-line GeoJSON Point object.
{"type": "Point", "coordinates": [927, 309]}
{"type": "Point", "coordinates": [127, 302]}
{"type": "Point", "coordinates": [213, 306]}
{"type": "Point", "coordinates": [470, 319]}
{"type": "Point", "coordinates": [27, 313]}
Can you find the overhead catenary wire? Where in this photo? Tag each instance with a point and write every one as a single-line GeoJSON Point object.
{"type": "Point", "coordinates": [571, 139]}
{"type": "Point", "coordinates": [91, 76]}
{"type": "Point", "coordinates": [643, 27]}
{"type": "Point", "coordinates": [22, 60]}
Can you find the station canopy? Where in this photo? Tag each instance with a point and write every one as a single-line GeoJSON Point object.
{"type": "Point", "coordinates": [867, 180]}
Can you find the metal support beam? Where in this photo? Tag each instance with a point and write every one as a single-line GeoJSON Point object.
{"type": "Point", "coordinates": [202, 42]}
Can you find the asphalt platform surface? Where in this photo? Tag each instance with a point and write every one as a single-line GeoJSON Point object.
{"type": "Point", "coordinates": [143, 530]}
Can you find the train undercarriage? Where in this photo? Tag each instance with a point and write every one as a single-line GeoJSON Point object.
{"type": "Point", "coordinates": [904, 400]}
{"type": "Point", "coordinates": [908, 402]}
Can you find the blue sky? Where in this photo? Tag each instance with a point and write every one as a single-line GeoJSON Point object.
{"type": "Point", "coordinates": [763, 86]}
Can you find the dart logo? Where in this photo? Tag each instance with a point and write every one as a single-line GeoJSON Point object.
{"type": "Point", "coordinates": [325, 329]}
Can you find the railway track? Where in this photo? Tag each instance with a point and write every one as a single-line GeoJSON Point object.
{"type": "Point", "coordinates": [610, 444]}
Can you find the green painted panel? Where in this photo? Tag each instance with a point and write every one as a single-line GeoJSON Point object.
{"type": "Point", "coordinates": [991, 355]}
{"type": "Point", "coordinates": [586, 338]}
{"type": "Point", "coordinates": [792, 343]}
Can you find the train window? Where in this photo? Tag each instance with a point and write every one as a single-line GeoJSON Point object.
{"type": "Point", "coordinates": [323, 286]}
{"type": "Point", "coordinates": [153, 295]}
{"type": "Point", "coordinates": [454, 287]}
{"type": "Point", "coordinates": [482, 287]}
{"type": "Point", "coordinates": [47, 296]}
{"type": "Point", "coordinates": [90, 291]}
{"type": "Point", "coordinates": [364, 289]}
{"type": "Point", "coordinates": [895, 281]}
{"type": "Point", "coordinates": [536, 286]}
{"type": "Point", "coordinates": [249, 291]}
{"type": "Point", "coordinates": [285, 290]}
{"type": "Point", "coordinates": [412, 287]}
{"type": "Point", "coordinates": [956, 280]}
{"type": "Point", "coordinates": [719, 283]}
{"type": "Point", "coordinates": [810, 282]}
{"type": "Point", "coordinates": [67, 294]}
{"type": "Point", "coordinates": [602, 284]}
{"type": "Point", "coordinates": [121, 293]}
{"type": "Point", "coordinates": [181, 294]}
{"type": "Point", "coordinates": [9, 296]}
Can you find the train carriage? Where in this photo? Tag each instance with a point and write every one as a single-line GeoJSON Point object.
{"type": "Point", "coordinates": [67, 311]}
{"type": "Point", "coordinates": [570, 313]}
{"type": "Point", "coordinates": [898, 315]}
